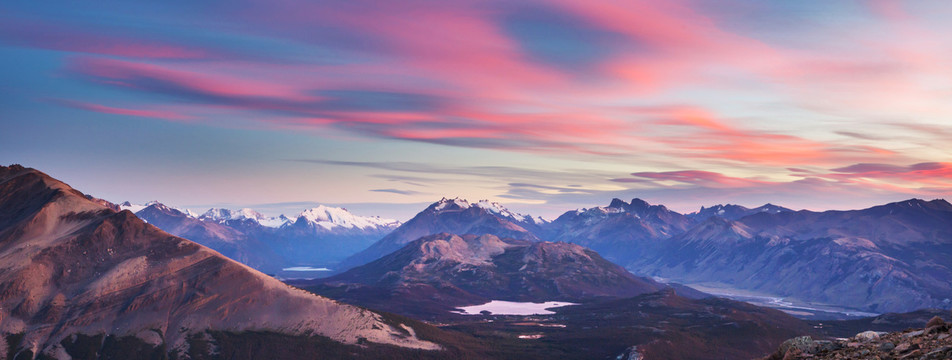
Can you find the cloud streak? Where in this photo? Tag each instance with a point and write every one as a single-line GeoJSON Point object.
{"type": "Point", "coordinates": [673, 96]}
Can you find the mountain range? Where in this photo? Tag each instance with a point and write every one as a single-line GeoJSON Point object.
{"type": "Point", "coordinates": [81, 280]}
{"type": "Point", "coordinates": [318, 236]}
{"type": "Point", "coordinates": [887, 258]}
{"type": "Point", "coordinates": [74, 270]}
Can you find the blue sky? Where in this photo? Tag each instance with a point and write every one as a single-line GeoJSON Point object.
{"type": "Point", "coordinates": [543, 106]}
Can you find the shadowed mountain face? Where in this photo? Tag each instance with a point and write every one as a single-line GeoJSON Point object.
{"type": "Point", "coordinates": [621, 231]}
{"type": "Point", "coordinates": [453, 216]}
{"type": "Point", "coordinates": [74, 266]}
{"type": "Point", "coordinates": [888, 258]}
{"type": "Point", "coordinates": [469, 269]}
{"type": "Point", "coordinates": [734, 212]}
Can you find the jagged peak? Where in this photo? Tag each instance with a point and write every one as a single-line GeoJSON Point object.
{"type": "Point", "coordinates": [639, 204]}
{"type": "Point", "coordinates": [450, 204]}
{"type": "Point", "coordinates": [618, 203]}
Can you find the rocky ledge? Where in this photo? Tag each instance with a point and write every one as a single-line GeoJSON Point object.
{"type": "Point", "coordinates": [932, 342]}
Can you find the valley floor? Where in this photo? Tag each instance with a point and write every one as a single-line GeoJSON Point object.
{"type": "Point", "coordinates": [798, 308]}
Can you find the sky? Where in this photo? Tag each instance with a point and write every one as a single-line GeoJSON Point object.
{"type": "Point", "coordinates": [544, 106]}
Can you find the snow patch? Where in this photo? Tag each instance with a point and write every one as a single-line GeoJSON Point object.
{"type": "Point", "coordinates": [491, 207]}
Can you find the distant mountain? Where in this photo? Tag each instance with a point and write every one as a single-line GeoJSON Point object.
{"type": "Point", "coordinates": [238, 244]}
{"type": "Point", "coordinates": [621, 230]}
{"type": "Point", "coordinates": [75, 271]}
{"type": "Point", "coordinates": [734, 212]}
{"type": "Point", "coordinates": [462, 270]}
{"type": "Point", "coordinates": [889, 258]}
{"type": "Point", "coordinates": [321, 235]}
{"type": "Point", "coordinates": [242, 218]}
{"type": "Point", "coordinates": [455, 216]}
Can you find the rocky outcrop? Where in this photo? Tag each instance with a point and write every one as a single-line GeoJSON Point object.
{"type": "Point", "coordinates": [932, 342]}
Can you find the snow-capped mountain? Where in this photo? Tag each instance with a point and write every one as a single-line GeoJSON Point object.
{"type": "Point", "coordinates": [322, 235]}
{"type": "Point", "coordinates": [331, 218]}
{"type": "Point", "coordinates": [456, 216]}
{"type": "Point", "coordinates": [222, 216]}
{"type": "Point", "coordinates": [497, 208]}
{"type": "Point", "coordinates": [139, 207]}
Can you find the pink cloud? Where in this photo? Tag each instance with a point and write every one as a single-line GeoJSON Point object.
{"type": "Point", "coordinates": [695, 178]}
{"type": "Point", "coordinates": [156, 114]}
{"type": "Point", "coordinates": [703, 135]}
{"type": "Point", "coordinates": [925, 174]}
{"type": "Point", "coordinates": [172, 80]}
{"type": "Point", "coordinates": [494, 94]}
{"type": "Point", "coordinates": [47, 35]}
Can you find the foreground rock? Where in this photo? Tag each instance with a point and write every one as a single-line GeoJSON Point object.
{"type": "Point", "coordinates": [932, 342]}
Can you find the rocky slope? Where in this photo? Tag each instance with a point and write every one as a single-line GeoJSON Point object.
{"type": "Point", "coordinates": [932, 342]}
{"type": "Point", "coordinates": [469, 269]}
{"type": "Point", "coordinates": [455, 216]}
{"type": "Point", "coordinates": [73, 266]}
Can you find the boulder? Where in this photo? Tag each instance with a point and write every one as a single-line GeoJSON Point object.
{"type": "Point", "coordinates": [935, 321]}
{"type": "Point", "coordinates": [801, 344]}
{"type": "Point", "coordinates": [867, 336]}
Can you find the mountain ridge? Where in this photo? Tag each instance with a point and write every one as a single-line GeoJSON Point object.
{"type": "Point", "coordinates": [72, 265]}
{"type": "Point", "coordinates": [455, 216]}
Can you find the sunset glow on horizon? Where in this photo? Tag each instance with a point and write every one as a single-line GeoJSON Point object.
{"type": "Point", "coordinates": [544, 106]}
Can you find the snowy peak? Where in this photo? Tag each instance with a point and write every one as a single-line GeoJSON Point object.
{"type": "Point", "coordinates": [455, 204]}
{"type": "Point", "coordinates": [328, 217]}
{"type": "Point", "coordinates": [220, 215]}
{"type": "Point", "coordinates": [492, 207]}
{"type": "Point", "coordinates": [216, 214]}
{"type": "Point", "coordinates": [134, 208]}
{"type": "Point", "coordinates": [159, 207]}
